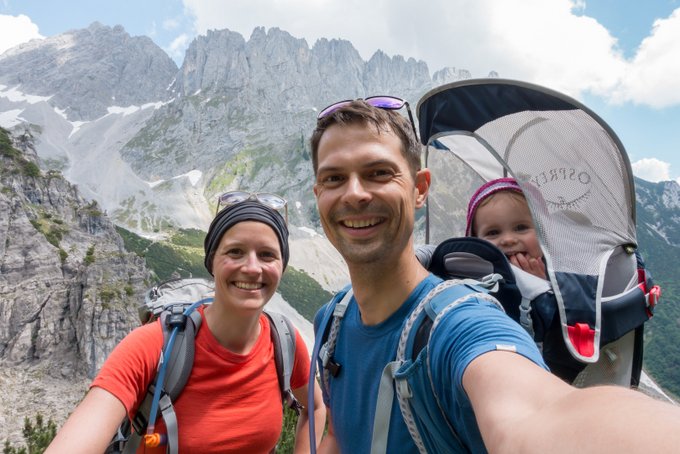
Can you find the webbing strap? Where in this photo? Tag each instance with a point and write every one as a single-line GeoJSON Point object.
{"type": "Point", "coordinates": [132, 443]}
{"type": "Point", "coordinates": [170, 419]}
{"type": "Point", "coordinates": [525, 316]}
{"type": "Point", "coordinates": [283, 338]}
{"type": "Point", "coordinates": [327, 349]}
{"type": "Point", "coordinates": [383, 409]}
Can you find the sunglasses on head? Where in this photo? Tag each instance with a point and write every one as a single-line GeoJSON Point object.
{"type": "Point", "coordinates": [234, 197]}
{"type": "Point", "coordinates": [381, 102]}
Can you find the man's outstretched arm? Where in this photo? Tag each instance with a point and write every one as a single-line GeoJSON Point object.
{"type": "Point", "coordinates": [522, 408]}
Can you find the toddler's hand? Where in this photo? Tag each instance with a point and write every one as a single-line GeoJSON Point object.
{"type": "Point", "coordinates": [531, 265]}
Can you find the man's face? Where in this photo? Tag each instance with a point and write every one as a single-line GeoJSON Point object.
{"type": "Point", "coordinates": [366, 193]}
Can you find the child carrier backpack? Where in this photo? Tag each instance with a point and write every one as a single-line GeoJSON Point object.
{"type": "Point", "coordinates": [472, 268]}
{"type": "Point", "coordinates": [174, 302]}
{"type": "Point", "coordinates": [577, 179]}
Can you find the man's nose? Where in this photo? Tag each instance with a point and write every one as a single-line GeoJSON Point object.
{"type": "Point", "coordinates": [356, 192]}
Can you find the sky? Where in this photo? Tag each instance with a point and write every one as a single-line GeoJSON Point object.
{"type": "Point", "coordinates": [621, 58]}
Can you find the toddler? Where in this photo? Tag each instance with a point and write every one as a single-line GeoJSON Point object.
{"type": "Point", "coordinates": [498, 212]}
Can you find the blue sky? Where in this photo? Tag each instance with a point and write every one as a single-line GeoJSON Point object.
{"type": "Point", "coordinates": [619, 57]}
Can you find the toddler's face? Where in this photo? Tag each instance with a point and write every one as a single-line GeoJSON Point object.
{"type": "Point", "coordinates": [505, 220]}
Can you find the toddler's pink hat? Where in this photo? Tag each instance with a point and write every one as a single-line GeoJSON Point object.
{"type": "Point", "coordinates": [486, 190]}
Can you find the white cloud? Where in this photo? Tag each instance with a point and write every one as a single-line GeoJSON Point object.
{"type": "Point", "coordinates": [171, 24]}
{"type": "Point", "coordinates": [15, 30]}
{"type": "Point", "coordinates": [178, 46]}
{"type": "Point", "coordinates": [653, 77]}
{"type": "Point", "coordinates": [548, 42]}
{"type": "Point", "coordinates": [651, 169]}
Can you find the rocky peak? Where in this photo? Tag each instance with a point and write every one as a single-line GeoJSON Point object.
{"type": "Point", "coordinates": [86, 71]}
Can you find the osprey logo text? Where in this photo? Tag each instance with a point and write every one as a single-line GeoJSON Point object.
{"type": "Point", "coordinates": [572, 188]}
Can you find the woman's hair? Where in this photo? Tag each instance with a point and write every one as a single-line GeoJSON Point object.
{"type": "Point", "coordinates": [249, 210]}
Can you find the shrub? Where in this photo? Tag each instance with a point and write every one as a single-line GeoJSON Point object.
{"type": "Point", "coordinates": [89, 256]}
{"type": "Point", "coordinates": [36, 436]}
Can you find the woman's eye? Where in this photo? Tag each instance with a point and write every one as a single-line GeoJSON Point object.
{"type": "Point", "coordinates": [234, 252]}
{"type": "Point", "coordinates": [268, 256]}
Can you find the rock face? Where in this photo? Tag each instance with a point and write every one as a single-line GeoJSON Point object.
{"type": "Point", "coordinates": [237, 114]}
{"type": "Point", "coordinates": [68, 288]}
{"type": "Point", "coordinates": [86, 71]}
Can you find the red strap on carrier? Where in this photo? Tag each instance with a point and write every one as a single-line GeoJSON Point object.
{"type": "Point", "coordinates": [582, 337]}
{"type": "Point", "coordinates": [652, 295]}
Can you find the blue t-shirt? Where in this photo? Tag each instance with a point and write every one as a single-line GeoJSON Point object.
{"type": "Point", "coordinates": [469, 330]}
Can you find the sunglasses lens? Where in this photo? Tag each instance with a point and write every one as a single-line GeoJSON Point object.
{"type": "Point", "coordinates": [233, 197]}
{"type": "Point", "coordinates": [271, 200]}
{"type": "Point", "coordinates": [386, 102]}
{"type": "Point", "coordinates": [332, 108]}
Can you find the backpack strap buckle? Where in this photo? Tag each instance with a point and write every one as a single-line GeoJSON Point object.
{"type": "Point", "coordinates": [176, 318]}
{"type": "Point", "coordinates": [652, 298]}
{"type": "Point", "coordinates": [582, 337]}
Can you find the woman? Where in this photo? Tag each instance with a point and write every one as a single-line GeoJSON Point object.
{"type": "Point", "coordinates": [232, 400]}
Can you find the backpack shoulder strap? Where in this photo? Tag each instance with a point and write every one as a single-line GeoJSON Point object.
{"type": "Point", "coordinates": [329, 337]}
{"type": "Point", "coordinates": [179, 364]}
{"type": "Point", "coordinates": [414, 337]}
{"type": "Point", "coordinates": [283, 337]}
{"type": "Point", "coordinates": [323, 352]}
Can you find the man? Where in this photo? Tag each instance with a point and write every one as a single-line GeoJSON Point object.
{"type": "Point", "coordinates": [486, 370]}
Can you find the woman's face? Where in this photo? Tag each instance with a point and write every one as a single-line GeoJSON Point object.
{"type": "Point", "coordinates": [247, 266]}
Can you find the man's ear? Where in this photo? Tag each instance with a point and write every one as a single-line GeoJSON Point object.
{"type": "Point", "coordinates": [422, 186]}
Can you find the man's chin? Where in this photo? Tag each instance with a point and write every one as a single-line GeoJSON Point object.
{"type": "Point", "coordinates": [361, 255]}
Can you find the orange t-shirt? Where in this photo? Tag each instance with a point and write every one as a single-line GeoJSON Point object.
{"type": "Point", "coordinates": [231, 403]}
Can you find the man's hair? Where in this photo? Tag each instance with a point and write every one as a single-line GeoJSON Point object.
{"type": "Point", "coordinates": [383, 120]}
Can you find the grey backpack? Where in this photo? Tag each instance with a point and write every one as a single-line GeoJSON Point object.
{"type": "Point", "coordinates": [174, 302]}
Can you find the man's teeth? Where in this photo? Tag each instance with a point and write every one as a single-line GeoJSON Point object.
{"type": "Point", "coordinates": [358, 224]}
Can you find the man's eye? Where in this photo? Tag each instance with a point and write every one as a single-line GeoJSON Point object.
{"type": "Point", "coordinates": [331, 180]}
{"type": "Point", "coordinates": [382, 174]}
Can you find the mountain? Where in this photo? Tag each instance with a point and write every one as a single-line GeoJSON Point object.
{"type": "Point", "coordinates": [658, 221]}
{"type": "Point", "coordinates": [68, 288]}
{"type": "Point", "coordinates": [84, 72]}
{"type": "Point", "coordinates": [157, 144]}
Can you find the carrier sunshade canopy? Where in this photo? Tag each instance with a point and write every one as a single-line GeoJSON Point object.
{"type": "Point", "coordinates": [572, 168]}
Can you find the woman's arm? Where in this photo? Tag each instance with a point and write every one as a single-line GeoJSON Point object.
{"type": "Point", "coordinates": [91, 426]}
{"type": "Point", "coordinates": [302, 429]}
{"type": "Point", "coordinates": [329, 445]}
